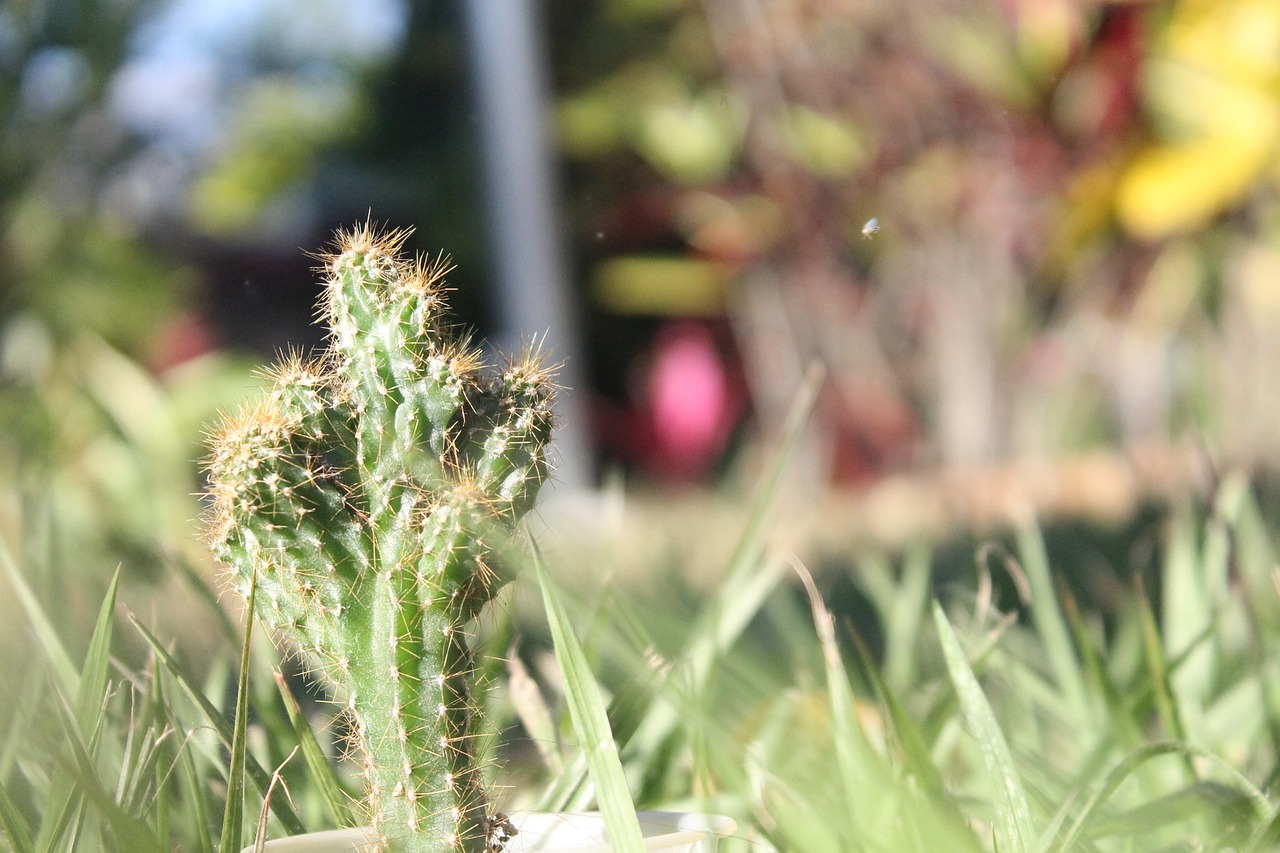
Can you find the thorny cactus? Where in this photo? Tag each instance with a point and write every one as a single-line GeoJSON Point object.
{"type": "Point", "coordinates": [371, 494]}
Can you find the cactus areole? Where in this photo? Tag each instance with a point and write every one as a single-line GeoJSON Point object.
{"type": "Point", "coordinates": [372, 494]}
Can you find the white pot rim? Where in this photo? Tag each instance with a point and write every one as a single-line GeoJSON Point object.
{"type": "Point", "coordinates": [579, 832]}
{"type": "Point", "coordinates": [662, 830]}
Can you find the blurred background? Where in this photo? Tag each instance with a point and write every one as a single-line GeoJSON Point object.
{"type": "Point", "coordinates": [1030, 249]}
{"type": "Point", "coordinates": [1034, 245]}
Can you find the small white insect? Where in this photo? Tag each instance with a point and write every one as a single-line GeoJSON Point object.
{"type": "Point", "coordinates": [872, 226]}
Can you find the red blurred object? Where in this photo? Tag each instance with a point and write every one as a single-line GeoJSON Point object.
{"type": "Point", "coordinates": [689, 400]}
{"type": "Point", "coordinates": [184, 336]}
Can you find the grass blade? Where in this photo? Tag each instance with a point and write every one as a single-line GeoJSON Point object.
{"type": "Point", "coordinates": [13, 826]}
{"type": "Point", "coordinates": [1188, 596]}
{"type": "Point", "coordinates": [166, 752]}
{"type": "Point", "coordinates": [1242, 792]}
{"type": "Point", "coordinates": [1228, 804]}
{"type": "Point", "coordinates": [854, 757]}
{"type": "Point", "coordinates": [1266, 836]}
{"type": "Point", "coordinates": [751, 545]}
{"type": "Point", "coordinates": [531, 709]}
{"type": "Point", "coordinates": [93, 677]}
{"type": "Point", "coordinates": [915, 751]}
{"type": "Point", "coordinates": [1014, 830]}
{"type": "Point", "coordinates": [1051, 624]}
{"type": "Point", "coordinates": [335, 800]}
{"type": "Point", "coordinates": [193, 787]}
{"type": "Point", "coordinates": [51, 646]}
{"type": "Point", "coordinates": [1098, 682]}
{"type": "Point", "coordinates": [130, 832]}
{"type": "Point", "coordinates": [64, 799]}
{"type": "Point", "coordinates": [233, 814]}
{"type": "Point", "coordinates": [746, 585]}
{"type": "Point", "coordinates": [626, 713]}
{"type": "Point", "coordinates": [903, 615]}
{"type": "Point", "coordinates": [1158, 672]}
{"type": "Point", "coordinates": [260, 778]}
{"type": "Point", "coordinates": [591, 723]}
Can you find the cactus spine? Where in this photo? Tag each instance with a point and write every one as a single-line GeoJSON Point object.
{"type": "Point", "coordinates": [371, 494]}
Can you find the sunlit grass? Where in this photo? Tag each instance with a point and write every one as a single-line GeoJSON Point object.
{"type": "Point", "coordinates": [1047, 727]}
{"type": "Point", "coordinates": [939, 716]}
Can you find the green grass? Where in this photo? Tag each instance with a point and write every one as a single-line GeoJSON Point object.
{"type": "Point", "coordinates": [1050, 728]}
{"type": "Point", "coordinates": [938, 716]}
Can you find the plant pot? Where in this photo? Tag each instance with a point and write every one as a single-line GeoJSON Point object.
{"type": "Point", "coordinates": [673, 832]}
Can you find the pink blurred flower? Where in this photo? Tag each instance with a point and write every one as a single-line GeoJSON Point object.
{"type": "Point", "coordinates": [691, 404]}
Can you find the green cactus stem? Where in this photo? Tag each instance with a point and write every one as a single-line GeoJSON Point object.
{"type": "Point", "coordinates": [372, 493]}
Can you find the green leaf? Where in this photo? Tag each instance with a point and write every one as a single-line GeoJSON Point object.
{"type": "Point", "coordinates": [1097, 680]}
{"type": "Point", "coordinates": [165, 758]}
{"type": "Point", "coordinates": [1267, 835]}
{"type": "Point", "coordinates": [64, 799]}
{"type": "Point", "coordinates": [531, 709]}
{"type": "Point", "coordinates": [747, 554]}
{"type": "Point", "coordinates": [1014, 830]}
{"type": "Point", "coordinates": [1189, 595]}
{"type": "Point", "coordinates": [591, 724]}
{"type": "Point", "coordinates": [1114, 778]}
{"type": "Point", "coordinates": [1158, 671]}
{"type": "Point", "coordinates": [626, 712]}
{"type": "Point", "coordinates": [193, 786]}
{"type": "Point", "coordinates": [746, 585]}
{"type": "Point", "coordinates": [910, 740]}
{"type": "Point", "coordinates": [904, 613]}
{"type": "Point", "coordinates": [748, 582]}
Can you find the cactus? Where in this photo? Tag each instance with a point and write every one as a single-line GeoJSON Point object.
{"type": "Point", "coordinates": [372, 495]}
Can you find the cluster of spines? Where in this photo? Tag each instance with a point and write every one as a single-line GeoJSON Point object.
{"type": "Point", "coordinates": [369, 495]}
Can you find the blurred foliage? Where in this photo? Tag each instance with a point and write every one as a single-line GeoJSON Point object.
{"type": "Point", "coordinates": [271, 149]}
{"type": "Point", "coordinates": [98, 461]}
{"type": "Point", "coordinates": [1076, 200]}
{"type": "Point", "coordinates": [125, 151]}
{"type": "Point", "coordinates": [61, 254]}
{"type": "Point", "coordinates": [1067, 194]}
{"type": "Point", "coordinates": [77, 291]}
{"type": "Point", "coordinates": [1078, 234]}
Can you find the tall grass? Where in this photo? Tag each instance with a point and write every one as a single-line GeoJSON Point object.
{"type": "Point", "coordinates": [1048, 725]}
{"type": "Point", "coordinates": [937, 717]}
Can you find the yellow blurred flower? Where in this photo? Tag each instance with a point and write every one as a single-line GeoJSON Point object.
{"type": "Point", "coordinates": [1212, 87]}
